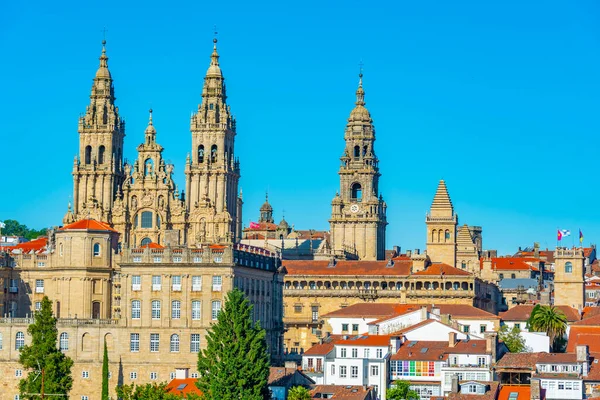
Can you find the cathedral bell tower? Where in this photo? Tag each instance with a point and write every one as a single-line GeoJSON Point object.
{"type": "Point", "coordinates": [358, 218]}
{"type": "Point", "coordinates": [98, 169]}
{"type": "Point", "coordinates": [441, 228]}
{"type": "Point", "coordinates": [212, 171]}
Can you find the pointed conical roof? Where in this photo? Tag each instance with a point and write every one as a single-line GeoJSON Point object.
{"type": "Point", "coordinates": [103, 71]}
{"type": "Point", "coordinates": [442, 198]}
{"type": "Point", "coordinates": [214, 69]}
{"type": "Point", "coordinates": [150, 130]}
{"type": "Point", "coordinates": [464, 238]}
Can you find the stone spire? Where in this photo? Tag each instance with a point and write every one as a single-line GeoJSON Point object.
{"type": "Point", "coordinates": [441, 200]}
{"type": "Point", "coordinates": [463, 238]}
{"type": "Point", "coordinates": [360, 113]}
{"type": "Point", "coordinates": [150, 131]}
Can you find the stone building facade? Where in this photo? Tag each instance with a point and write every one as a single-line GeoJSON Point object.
{"type": "Point", "coordinates": [569, 277]}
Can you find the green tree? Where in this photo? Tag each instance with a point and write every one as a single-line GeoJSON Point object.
{"type": "Point", "coordinates": [235, 363]}
{"type": "Point", "coordinates": [548, 319]}
{"type": "Point", "coordinates": [149, 391]}
{"type": "Point", "coordinates": [43, 359]}
{"type": "Point", "coordinates": [14, 228]}
{"type": "Point", "coordinates": [512, 339]}
{"type": "Point", "coordinates": [402, 391]}
{"type": "Point", "coordinates": [105, 373]}
{"type": "Point", "coordinates": [299, 393]}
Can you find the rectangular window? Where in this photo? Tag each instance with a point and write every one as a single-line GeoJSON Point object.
{"type": "Point", "coordinates": [176, 283]}
{"type": "Point", "coordinates": [344, 327]}
{"type": "Point", "coordinates": [216, 309]}
{"type": "Point", "coordinates": [39, 286]}
{"type": "Point", "coordinates": [41, 264]}
{"type": "Point", "coordinates": [146, 219]}
{"type": "Point", "coordinates": [298, 308]}
{"type": "Point", "coordinates": [157, 259]}
{"type": "Point", "coordinates": [153, 376]}
{"type": "Point", "coordinates": [85, 374]}
{"type": "Point", "coordinates": [137, 259]}
{"type": "Point", "coordinates": [367, 351]}
{"type": "Point", "coordinates": [518, 326]}
{"type": "Point", "coordinates": [176, 309]}
{"type": "Point", "coordinates": [84, 398]}
{"type": "Point", "coordinates": [134, 342]}
{"type": "Point", "coordinates": [38, 305]}
{"type": "Point", "coordinates": [481, 361]}
{"type": "Point", "coordinates": [194, 375]}
{"type": "Point", "coordinates": [482, 328]}
{"type": "Point", "coordinates": [216, 283]}
{"type": "Point", "coordinates": [466, 328]}
{"type": "Point", "coordinates": [177, 259]}
{"type": "Point", "coordinates": [196, 283]}
{"type": "Point", "coordinates": [354, 353]}
{"type": "Point", "coordinates": [332, 369]}
{"type": "Point", "coordinates": [133, 375]}
{"type": "Point", "coordinates": [354, 327]}
{"type": "Point", "coordinates": [374, 370]}
{"type": "Point", "coordinates": [354, 371]}
{"type": "Point", "coordinates": [197, 259]}
{"type": "Point", "coordinates": [154, 342]}
{"type": "Point", "coordinates": [136, 283]}
{"type": "Point", "coordinates": [196, 310]}
{"type": "Point", "coordinates": [342, 371]}
{"type": "Point", "coordinates": [315, 313]}
{"type": "Point", "coordinates": [379, 353]}
{"type": "Point", "coordinates": [195, 343]}
{"type": "Point", "coordinates": [155, 309]}
{"type": "Point", "coordinates": [156, 283]}
{"type": "Point", "coordinates": [18, 373]}
{"type": "Point", "coordinates": [343, 352]}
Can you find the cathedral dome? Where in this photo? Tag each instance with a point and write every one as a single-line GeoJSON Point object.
{"type": "Point", "coordinates": [283, 225]}
{"type": "Point", "coordinates": [266, 206]}
{"type": "Point", "coordinates": [360, 114]}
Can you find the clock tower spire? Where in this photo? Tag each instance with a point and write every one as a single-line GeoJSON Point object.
{"type": "Point", "coordinates": [358, 218]}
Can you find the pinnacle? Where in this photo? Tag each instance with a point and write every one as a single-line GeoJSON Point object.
{"type": "Point", "coordinates": [442, 198]}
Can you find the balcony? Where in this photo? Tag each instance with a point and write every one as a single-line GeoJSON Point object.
{"type": "Point", "coordinates": [312, 370]}
{"type": "Point", "coordinates": [176, 287]}
{"type": "Point", "coordinates": [155, 287]}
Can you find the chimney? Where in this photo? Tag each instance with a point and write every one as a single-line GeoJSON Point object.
{"type": "Point", "coordinates": [423, 313]}
{"type": "Point", "coordinates": [417, 251]}
{"type": "Point", "coordinates": [182, 373]}
{"type": "Point", "coordinates": [395, 344]}
{"type": "Point", "coordinates": [451, 339]}
{"type": "Point", "coordinates": [536, 393]}
{"type": "Point", "coordinates": [583, 358]}
{"type": "Point", "coordinates": [408, 253]}
{"type": "Point", "coordinates": [454, 383]}
{"type": "Point", "coordinates": [491, 344]}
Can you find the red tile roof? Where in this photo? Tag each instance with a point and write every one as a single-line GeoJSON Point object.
{"type": "Point", "coordinates": [584, 335]}
{"type": "Point", "coordinates": [594, 371]}
{"type": "Point", "coordinates": [438, 269]}
{"type": "Point", "coordinates": [318, 267]}
{"type": "Point", "coordinates": [590, 311]}
{"type": "Point", "coordinates": [372, 310]}
{"type": "Point", "coordinates": [488, 395]}
{"type": "Point", "coordinates": [320, 349]}
{"type": "Point", "coordinates": [523, 311]}
{"type": "Point", "coordinates": [88, 225]}
{"type": "Point", "coordinates": [560, 358]}
{"type": "Point", "coordinates": [524, 392]}
{"type": "Point", "coordinates": [422, 351]}
{"type": "Point", "coordinates": [35, 245]}
{"type": "Point", "coordinates": [342, 392]}
{"type": "Point", "coordinates": [590, 321]}
{"type": "Point", "coordinates": [525, 361]}
{"type": "Point", "coordinates": [152, 245]}
{"type": "Point", "coordinates": [366, 340]}
{"type": "Point", "coordinates": [511, 264]}
{"type": "Point", "coordinates": [190, 387]}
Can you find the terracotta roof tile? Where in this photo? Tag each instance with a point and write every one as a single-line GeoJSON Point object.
{"type": "Point", "coordinates": [366, 340]}
{"type": "Point", "coordinates": [590, 311]}
{"type": "Point", "coordinates": [152, 245]}
{"type": "Point", "coordinates": [584, 335]}
{"type": "Point", "coordinates": [594, 371]}
{"type": "Point", "coordinates": [318, 267]}
{"type": "Point", "coordinates": [88, 225]}
{"type": "Point", "coordinates": [35, 245]}
{"type": "Point", "coordinates": [190, 386]}
{"type": "Point", "coordinates": [524, 392]}
{"type": "Point", "coordinates": [560, 358]}
{"type": "Point", "coordinates": [490, 394]}
{"type": "Point", "coordinates": [525, 361]}
{"type": "Point", "coordinates": [372, 310]}
{"type": "Point", "coordinates": [511, 264]}
{"type": "Point", "coordinates": [280, 376]}
{"type": "Point", "coordinates": [320, 349]}
{"type": "Point", "coordinates": [343, 392]}
{"type": "Point", "coordinates": [523, 311]}
{"type": "Point", "coordinates": [438, 269]}
{"type": "Point", "coordinates": [590, 321]}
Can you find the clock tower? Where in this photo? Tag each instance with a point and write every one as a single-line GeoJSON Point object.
{"type": "Point", "coordinates": [358, 211]}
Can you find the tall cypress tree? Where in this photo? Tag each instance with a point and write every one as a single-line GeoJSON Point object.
{"type": "Point", "coordinates": [235, 363]}
{"type": "Point", "coordinates": [43, 359]}
{"type": "Point", "coordinates": [105, 373]}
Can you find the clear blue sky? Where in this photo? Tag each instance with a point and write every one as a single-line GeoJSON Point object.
{"type": "Point", "coordinates": [500, 100]}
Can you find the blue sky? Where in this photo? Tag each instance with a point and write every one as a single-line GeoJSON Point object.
{"type": "Point", "coordinates": [500, 100]}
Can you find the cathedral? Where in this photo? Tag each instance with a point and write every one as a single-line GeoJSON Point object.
{"type": "Point", "coordinates": [140, 200]}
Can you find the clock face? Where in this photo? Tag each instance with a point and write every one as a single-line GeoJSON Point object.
{"type": "Point", "coordinates": [354, 208]}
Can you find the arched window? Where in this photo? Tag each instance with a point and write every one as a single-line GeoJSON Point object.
{"type": "Point", "coordinates": [148, 167]}
{"type": "Point", "coordinates": [356, 151]}
{"type": "Point", "coordinates": [88, 154]}
{"type": "Point", "coordinates": [447, 235]}
{"type": "Point", "coordinates": [174, 343]}
{"type": "Point", "coordinates": [101, 155]}
{"type": "Point", "coordinates": [19, 340]}
{"type": "Point", "coordinates": [213, 153]}
{"type": "Point", "coordinates": [216, 309]}
{"type": "Point", "coordinates": [175, 309]}
{"type": "Point", "coordinates": [136, 309]}
{"type": "Point", "coordinates": [60, 249]}
{"type": "Point", "coordinates": [200, 154]}
{"type": "Point", "coordinates": [463, 265]}
{"type": "Point", "coordinates": [513, 276]}
{"type": "Point", "coordinates": [155, 309]}
{"type": "Point", "coordinates": [433, 235]}
{"type": "Point", "coordinates": [568, 267]}
{"type": "Point", "coordinates": [147, 219]}
{"type": "Point", "coordinates": [356, 192]}
{"type": "Point", "coordinates": [64, 341]}
{"type": "Point", "coordinates": [146, 241]}
{"type": "Point", "coordinates": [96, 249]}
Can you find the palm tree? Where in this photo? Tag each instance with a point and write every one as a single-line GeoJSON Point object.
{"type": "Point", "coordinates": [548, 319]}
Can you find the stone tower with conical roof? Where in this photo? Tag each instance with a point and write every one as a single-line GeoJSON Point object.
{"type": "Point", "coordinates": [441, 228]}
{"type": "Point", "coordinates": [98, 169]}
{"type": "Point", "coordinates": [467, 251]}
{"type": "Point", "coordinates": [358, 219]}
{"type": "Point", "coordinates": [266, 211]}
{"type": "Point", "coordinates": [212, 171]}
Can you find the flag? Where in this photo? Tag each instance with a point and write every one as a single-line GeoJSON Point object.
{"type": "Point", "coordinates": [580, 237]}
{"type": "Point", "coordinates": [254, 225]}
{"type": "Point", "coordinates": [559, 235]}
{"type": "Point", "coordinates": [566, 232]}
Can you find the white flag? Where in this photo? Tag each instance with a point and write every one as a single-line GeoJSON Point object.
{"type": "Point", "coordinates": [566, 232]}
